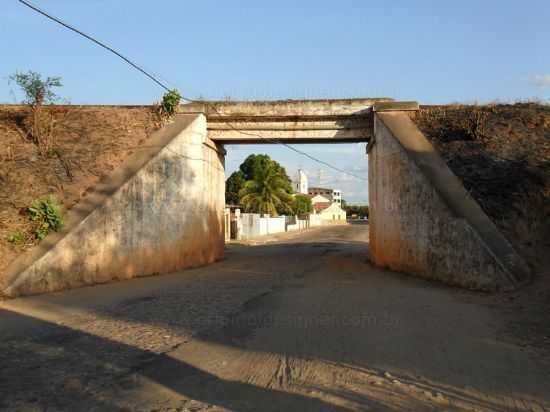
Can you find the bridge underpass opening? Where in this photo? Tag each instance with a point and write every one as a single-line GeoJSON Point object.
{"type": "Point", "coordinates": [327, 188]}
{"type": "Point", "coordinates": [294, 133]}
{"type": "Point", "coordinates": [422, 220]}
{"type": "Point", "coordinates": [163, 210]}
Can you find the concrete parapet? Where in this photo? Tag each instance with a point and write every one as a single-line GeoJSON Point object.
{"type": "Point", "coordinates": [281, 108]}
{"type": "Point", "coordinates": [423, 221]}
{"type": "Point", "coordinates": [160, 212]}
{"type": "Point", "coordinates": [383, 106]}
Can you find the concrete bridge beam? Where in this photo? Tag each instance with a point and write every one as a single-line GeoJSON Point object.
{"type": "Point", "coordinates": [292, 121]}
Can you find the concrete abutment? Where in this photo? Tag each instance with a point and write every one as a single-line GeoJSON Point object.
{"type": "Point", "coordinates": [423, 221]}
{"type": "Point", "coordinates": [161, 212]}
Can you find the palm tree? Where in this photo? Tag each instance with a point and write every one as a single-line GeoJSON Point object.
{"type": "Point", "coordinates": [266, 192]}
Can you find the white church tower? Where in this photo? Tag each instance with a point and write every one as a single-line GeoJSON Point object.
{"type": "Point", "coordinates": [299, 183]}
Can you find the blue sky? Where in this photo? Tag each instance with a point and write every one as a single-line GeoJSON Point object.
{"type": "Point", "coordinates": [429, 51]}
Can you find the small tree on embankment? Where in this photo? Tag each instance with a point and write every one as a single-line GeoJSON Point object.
{"type": "Point", "coordinates": [38, 93]}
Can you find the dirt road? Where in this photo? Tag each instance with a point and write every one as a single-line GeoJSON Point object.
{"type": "Point", "coordinates": [303, 323]}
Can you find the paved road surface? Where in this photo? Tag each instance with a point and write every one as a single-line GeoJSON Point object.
{"type": "Point", "coordinates": [302, 323]}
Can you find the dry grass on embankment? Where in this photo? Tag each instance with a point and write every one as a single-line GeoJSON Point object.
{"type": "Point", "coordinates": [501, 153]}
{"type": "Point", "coordinates": [89, 142]}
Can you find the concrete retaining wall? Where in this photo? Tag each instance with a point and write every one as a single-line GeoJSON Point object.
{"type": "Point", "coordinates": [161, 212]}
{"type": "Point", "coordinates": [423, 221]}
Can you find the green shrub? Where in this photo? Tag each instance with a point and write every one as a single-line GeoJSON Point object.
{"type": "Point", "coordinates": [47, 216]}
{"type": "Point", "coordinates": [38, 92]}
{"type": "Point", "coordinates": [16, 238]}
{"type": "Point", "coordinates": [169, 103]}
{"type": "Point", "coordinates": [301, 205]}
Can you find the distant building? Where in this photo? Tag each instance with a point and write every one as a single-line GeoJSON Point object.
{"type": "Point", "coordinates": [333, 213]}
{"type": "Point", "coordinates": [320, 199]}
{"type": "Point", "coordinates": [337, 196]}
{"type": "Point", "coordinates": [319, 203]}
{"type": "Point", "coordinates": [333, 195]}
{"type": "Point", "coordinates": [299, 183]}
{"type": "Point", "coordinates": [321, 191]}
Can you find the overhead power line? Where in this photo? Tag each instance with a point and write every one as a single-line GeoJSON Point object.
{"type": "Point", "coordinates": [166, 88]}
{"type": "Point", "coordinates": [99, 43]}
{"type": "Point", "coordinates": [301, 152]}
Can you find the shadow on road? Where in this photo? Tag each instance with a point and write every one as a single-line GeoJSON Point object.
{"type": "Point", "coordinates": [324, 303]}
{"type": "Point", "coordinates": [61, 369]}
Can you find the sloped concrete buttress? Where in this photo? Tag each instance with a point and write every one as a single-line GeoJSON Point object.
{"type": "Point", "coordinates": [422, 219]}
{"type": "Point", "coordinates": [161, 212]}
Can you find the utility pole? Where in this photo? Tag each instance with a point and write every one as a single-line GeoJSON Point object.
{"type": "Point", "coordinates": [320, 177]}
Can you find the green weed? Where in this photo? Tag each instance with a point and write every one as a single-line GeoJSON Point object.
{"type": "Point", "coordinates": [47, 216]}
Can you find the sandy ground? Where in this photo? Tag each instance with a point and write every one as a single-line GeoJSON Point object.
{"type": "Point", "coordinates": [299, 323]}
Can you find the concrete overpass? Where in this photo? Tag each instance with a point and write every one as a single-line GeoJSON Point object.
{"type": "Point", "coordinates": [290, 121]}
{"type": "Point", "coordinates": [163, 210]}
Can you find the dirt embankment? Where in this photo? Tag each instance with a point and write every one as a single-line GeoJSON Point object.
{"type": "Point", "coordinates": [88, 143]}
{"type": "Point", "coordinates": [502, 155]}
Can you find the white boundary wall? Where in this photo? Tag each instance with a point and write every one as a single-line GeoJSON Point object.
{"type": "Point", "coordinates": [315, 220]}
{"type": "Point", "coordinates": [252, 225]}
{"type": "Point", "coordinates": [299, 225]}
